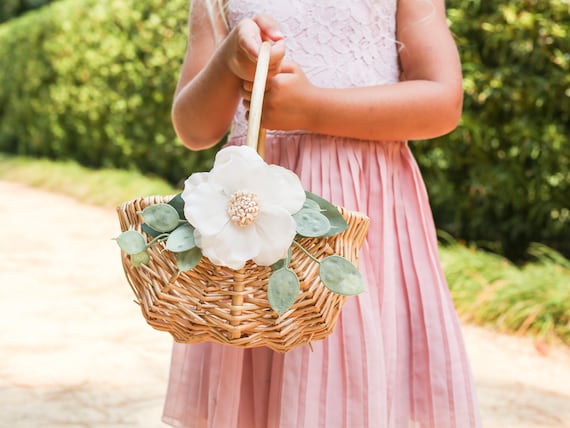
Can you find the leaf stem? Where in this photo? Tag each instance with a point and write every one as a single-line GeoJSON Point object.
{"type": "Point", "coordinates": [158, 239]}
{"type": "Point", "coordinates": [306, 252]}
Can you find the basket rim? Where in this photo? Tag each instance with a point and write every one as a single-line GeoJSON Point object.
{"type": "Point", "coordinates": [154, 199]}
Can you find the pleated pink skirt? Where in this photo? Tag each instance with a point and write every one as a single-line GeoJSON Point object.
{"type": "Point", "coordinates": [397, 357]}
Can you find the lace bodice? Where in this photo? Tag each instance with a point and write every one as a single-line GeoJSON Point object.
{"type": "Point", "coordinates": [338, 43]}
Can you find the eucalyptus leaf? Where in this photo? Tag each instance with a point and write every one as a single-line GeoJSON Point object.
{"type": "Point", "coordinates": [149, 230]}
{"type": "Point", "coordinates": [311, 223]}
{"type": "Point", "coordinates": [337, 221]}
{"type": "Point", "coordinates": [131, 242]}
{"type": "Point", "coordinates": [178, 203]}
{"type": "Point", "coordinates": [283, 263]}
{"type": "Point", "coordinates": [289, 256]}
{"type": "Point", "coordinates": [141, 258]}
{"type": "Point", "coordinates": [188, 259]}
{"type": "Point", "coordinates": [161, 217]}
{"type": "Point", "coordinates": [282, 290]}
{"type": "Point", "coordinates": [181, 239]}
{"type": "Point", "coordinates": [311, 205]}
{"type": "Point", "coordinates": [279, 264]}
{"type": "Point", "coordinates": [340, 276]}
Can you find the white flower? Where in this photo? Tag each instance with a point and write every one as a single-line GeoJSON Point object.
{"type": "Point", "coordinates": [242, 209]}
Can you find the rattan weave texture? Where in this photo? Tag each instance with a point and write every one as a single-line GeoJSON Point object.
{"type": "Point", "coordinates": [217, 304]}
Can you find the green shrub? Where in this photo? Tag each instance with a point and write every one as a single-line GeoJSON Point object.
{"type": "Point", "coordinates": [92, 80]}
{"type": "Point", "coordinates": [12, 8]}
{"type": "Point", "coordinates": [530, 300]}
{"type": "Point", "coordinates": [502, 179]}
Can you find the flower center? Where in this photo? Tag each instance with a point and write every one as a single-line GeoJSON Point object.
{"type": "Point", "coordinates": [243, 208]}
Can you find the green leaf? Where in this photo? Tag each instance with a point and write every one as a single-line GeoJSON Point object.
{"type": "Point", "coordinates": [311, 223]}
{"type": "Point", "coordinates": [149, 230]}
{"type": "Point", "coordinates": [283, 263]}
{"type": "Point", "coordinates": [141, 258]}
{"type": "Point", "coordinates": [161, 217]}
{"type": "Point", "coordinates": [181, 239]}
{"type": "Point", "coordinates": [279, 264]}
{"type": "Point", "coordinates": [340, 276]}
{"type": "Point", "coordinates": [337, 221]}
{"type": "Point", "coordinates": [311, 205]}
{"type": "Point", "coordinates": [131, 242]}
{"type": "Point", "coordinates": [178, 203]}
{"type": "Point", "coordinates": [282, 290]}
{"type": "Point", "coordinates": [188, 259]}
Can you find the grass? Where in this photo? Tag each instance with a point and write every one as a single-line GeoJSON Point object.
{"type": "Point", "coordinates": [530, 300]}
{"type": "Point", "coordinates": [105, 187]}
{"type": "Point", "coordinates": [487, 289]}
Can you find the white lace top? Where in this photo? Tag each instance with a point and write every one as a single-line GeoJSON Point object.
{"type": "Point", "coordinates": [338, 43]}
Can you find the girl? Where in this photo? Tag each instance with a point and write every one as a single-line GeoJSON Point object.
{"type": "Point", "coordinates": [350, 82]}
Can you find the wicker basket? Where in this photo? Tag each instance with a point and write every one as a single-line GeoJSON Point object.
{"type": "Point", "coordinates": [217, 304]}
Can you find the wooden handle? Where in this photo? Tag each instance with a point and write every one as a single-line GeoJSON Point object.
{"type": "Point", "coordinates": [255, 135]}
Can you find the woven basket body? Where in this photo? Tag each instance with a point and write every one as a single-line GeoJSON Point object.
{"type": "Point", "coordinates": [217, 304]}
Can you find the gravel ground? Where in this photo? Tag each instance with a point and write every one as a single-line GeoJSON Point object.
{"type": "Point", "coordinates": [76, 353]}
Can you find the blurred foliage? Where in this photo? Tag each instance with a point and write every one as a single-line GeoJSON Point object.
{"type": "Point", "coordinates": [489, 290]}
{"type": "Point", "coordinates": [93, 80]}
{"type": "Point", "coordinates": [12, 8]}
{"type": "Point", "coordinates": [103, 187]}
{"type": "Point", "coordinates": [502, 178]}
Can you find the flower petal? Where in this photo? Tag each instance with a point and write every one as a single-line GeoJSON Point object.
{"type": "Point", "coordinates": [280, 186]}
{"type": "Point", "coordinates": [231, 247]}
{"type": "Point", "coordinates": [207, 242]}
{"type": "Point", "coordinates": [276, 230]}
{"type": "Point", "coordinates": [235, 168]}
{"type": "Point", "coordinates": [232, 152]}
{"type": "Point", "coordinates": [205, 207]}
{"type": "Point", "coordinates": [195, 179]}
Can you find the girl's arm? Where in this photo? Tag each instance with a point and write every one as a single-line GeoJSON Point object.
{"type": "Point", "coordinates": [425, 104]}
{"type": "Point", "coordinates": [208, 89]}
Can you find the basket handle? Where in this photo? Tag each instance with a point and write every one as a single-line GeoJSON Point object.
{"type": "Point", "coordinates": [255, 134]}
{"type": "Point", "coordinates": [256, 140]}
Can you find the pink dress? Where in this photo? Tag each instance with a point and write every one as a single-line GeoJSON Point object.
{"type": "Point", "coordinates": [397, 357]}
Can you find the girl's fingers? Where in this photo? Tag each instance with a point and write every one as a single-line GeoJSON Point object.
{"type": "Point", "coordinates": [258, 29]}
{"type": "Point", "coordinates": [250, 42]}
{"type": "Point", "coordinates": [247, 87]}
{"type": "Point", "coordinates": [250, 34]}
{"type": "Point", "coordinates": [270, 29]}
{"type": "Point", "coordinates": [246, 95]}
{"type": "Point", "coordinates": [245, 90]}
{"type": "Point", "coordinates": [276, 57]}
{"type": "Point", "coordinates": [289, 67]}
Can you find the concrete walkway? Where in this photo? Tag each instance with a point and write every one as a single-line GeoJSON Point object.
{"type": "Point", "coordinates": [76, 352]}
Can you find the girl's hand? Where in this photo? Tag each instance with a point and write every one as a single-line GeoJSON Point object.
{"type": "Point", "coordinates": [244, 42]}
{"type": "Point", "coordinates": [286, 104]}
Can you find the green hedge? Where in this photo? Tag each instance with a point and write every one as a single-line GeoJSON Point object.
{"type": "Point", "coordinates": [502, 179]}
{"type": "Point", "coordinates": [12, 8]}
{"type": "Point", "coordinates": [93, 80]}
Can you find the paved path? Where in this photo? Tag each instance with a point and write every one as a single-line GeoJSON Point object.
{"type": "Point", "coordinates": [75, 352]}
